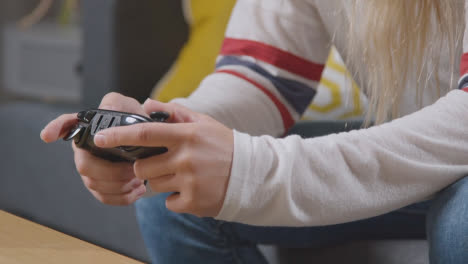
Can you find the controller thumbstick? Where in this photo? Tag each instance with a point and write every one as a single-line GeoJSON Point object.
{"type": "Point", "coordinates": [159, 116]}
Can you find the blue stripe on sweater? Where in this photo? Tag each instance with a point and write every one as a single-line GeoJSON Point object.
{"type": "Point", "coordinates": [297, 94]}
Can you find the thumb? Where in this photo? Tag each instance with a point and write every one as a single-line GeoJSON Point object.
{"type": "Point", "coordinates": [58, 128]}
{"type": "Point", "coordinates": [177, 113]}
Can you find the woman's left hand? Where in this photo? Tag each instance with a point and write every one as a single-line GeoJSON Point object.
{"type": "Point", "coordinates": [197, 166]}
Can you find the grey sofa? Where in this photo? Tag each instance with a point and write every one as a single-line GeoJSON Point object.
{"type": "Point", "coordinates": [127, 48]}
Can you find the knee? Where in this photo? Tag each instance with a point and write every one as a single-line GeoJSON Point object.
{"type": "Point", "coordinates": [157, 226]}
{"type": "Point", "coordinates": [447, 227]}
{"type": "Point", "coordinates": [154, 218]}
{"type": "Point", "coordinates": [171, 237]}
{"type": "Point", "coordinates": [152, 211]}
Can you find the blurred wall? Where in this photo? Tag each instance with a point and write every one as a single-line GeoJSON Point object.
{"type": "Point", "coordinates": [129, 45]}
{"type": "Point", "coordinates": [10, 12]}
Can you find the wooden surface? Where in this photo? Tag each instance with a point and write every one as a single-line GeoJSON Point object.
{"type": "Point", "coordinates": [22, 241]}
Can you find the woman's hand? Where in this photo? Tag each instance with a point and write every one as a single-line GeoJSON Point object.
{"type": "Point", "coordinates": [111, 183]}
{"type": "Point", "coordinates": [196, 168]}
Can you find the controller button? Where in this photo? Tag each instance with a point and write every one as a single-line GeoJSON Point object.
{"type": "Point", "coordinates": [159, 116]}
{"type": "Point", "coordinates": [86, 116]}
{"type": "Point", "coordinates": [89, 116]}
{"type": "Point", "coordinates": [81, 115]}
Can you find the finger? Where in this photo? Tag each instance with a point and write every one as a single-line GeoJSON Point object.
{"type": "Point", "coordinates": [120, 199]}
{"type": "Point", "coordinates": [118, 102]}
{"type": "Point", "coordinates": [165, 184]}
{"type": "Point", "coordinates": [99, 169]}
{"type": "Point", "coordinates": [177, 113]}
{"type": "Point", "coordinates": [179, 202]}
{"type": "Point", "coordinates": [155, 166]}
{"type": "Point", "coordinates": [111, 187]}
{"type": "Point", "coordinates": [145, 134]}
{"type": "Point", "coordinates": [58, 127]}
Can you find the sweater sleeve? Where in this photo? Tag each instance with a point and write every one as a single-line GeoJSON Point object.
{"type": "Point", "coordinates": [348, 176]}
{"type": "Point", "coordinates": [268, 68]}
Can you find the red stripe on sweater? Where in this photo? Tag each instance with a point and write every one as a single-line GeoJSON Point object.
{"type": "Point", "coordinates": [464, 64]}
{"type": "Point", "coordinates": [288, 120]}
{"type": "Point", "coordinates": [274, 56]}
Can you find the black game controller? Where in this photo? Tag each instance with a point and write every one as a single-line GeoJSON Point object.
{"type": "Point", "coordinates": [94, 120]}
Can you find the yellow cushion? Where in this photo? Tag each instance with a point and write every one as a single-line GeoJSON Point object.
{"type": "Point", "coordinates": [208, 20]}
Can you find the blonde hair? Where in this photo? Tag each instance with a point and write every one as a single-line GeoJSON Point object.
{"type": "Point", "coordinates": [44, 6]}
{"type": "Point", "coordinates": [396, 43]}
{"type": "Point", "coordinates": [37, 14]}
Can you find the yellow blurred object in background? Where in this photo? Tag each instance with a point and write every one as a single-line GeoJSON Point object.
{"type": "Point", "coordinates": [207, 20]}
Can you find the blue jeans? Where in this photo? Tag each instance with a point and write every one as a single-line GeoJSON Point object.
{"type": "Point", "coordinates": [182, 238]}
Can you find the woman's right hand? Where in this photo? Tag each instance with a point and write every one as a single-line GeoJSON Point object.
{"type": "Point", "coordinates": [110, 182]}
